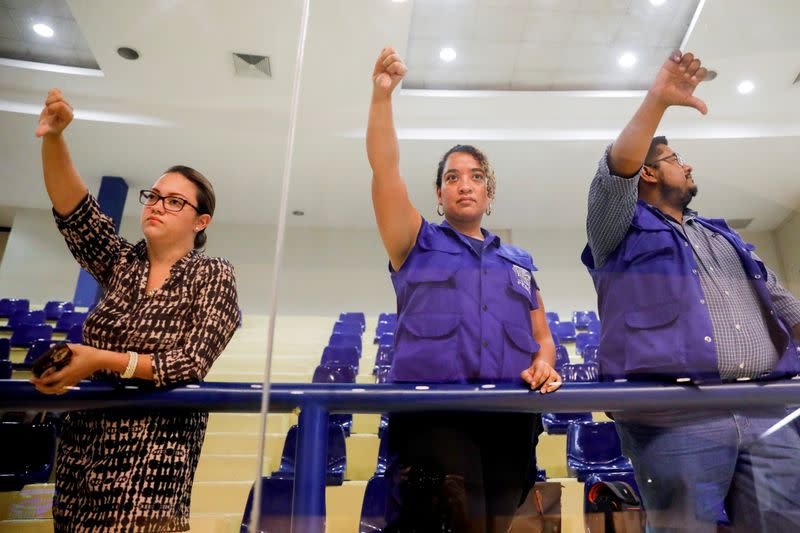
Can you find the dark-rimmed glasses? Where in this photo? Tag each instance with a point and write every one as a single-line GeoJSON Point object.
{"type": "Point", "coordinates": [170, 203]}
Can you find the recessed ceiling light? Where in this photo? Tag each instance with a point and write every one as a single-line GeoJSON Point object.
{"type": "Point", "coordinates": [447, 54]}
{"type": "Point", "coordinates": [746, 87]}
{"type": "Point", "coordinates": [657, 2]}
{"type": "Point", "coordinates": [44, 30]}
{"type": "Point", "coordinates": [128, 53]}
{"type": "Point", "coordinates": [298, 213]}
{"type": "Point", "coordinates": [398, 1]}
{"type": "Point", "coordinates": [627, 60]}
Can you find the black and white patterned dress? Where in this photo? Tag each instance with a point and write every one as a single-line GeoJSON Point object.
{"type": "Point", "coordinates": [132, 471]}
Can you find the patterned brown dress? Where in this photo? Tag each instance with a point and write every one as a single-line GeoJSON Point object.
{"type": "Point", "coordinates": [133, 471]}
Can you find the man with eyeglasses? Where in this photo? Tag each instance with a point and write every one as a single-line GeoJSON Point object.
{"type": "Point", "coordinates": [684, 299]}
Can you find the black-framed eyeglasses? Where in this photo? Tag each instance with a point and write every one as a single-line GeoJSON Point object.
{"type": "Point", "coordinates": [678, 159]}
{"type": "Point", "coordinates": [170, 203]}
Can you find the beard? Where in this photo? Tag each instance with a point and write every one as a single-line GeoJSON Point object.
{"type": "Point", "coordinates": [679, 197]}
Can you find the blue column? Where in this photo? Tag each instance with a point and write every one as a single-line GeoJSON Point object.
{"type": "Point", "coordinates": [112, 195]}
{"type": "Point", "coordinates": [308, 503]}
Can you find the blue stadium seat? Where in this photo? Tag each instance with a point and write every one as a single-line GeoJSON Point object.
{"type": "Point", "coordinates": [358, 318]}
{"type": "Point", "coordinates": [69, 320]}
{"type": "Point", "coordinates": [382, 426]}
{"type": "Point", "coordinates": [53, 309]}
{"type": "Point", "coordinates": [387, 317]}
{"type": "Point", "coordinates": [582, 339]}
{"type": "Point", "coordinates": [387, 338]}
{"type": "Point", "coordinates": [347, 328]}
{"type": "Point", "coordinates": [276, 506]}
{"type": "Point", "coordinates": [24, 318]}
{"type": "Point", "coordinates": [381, 374]}
{"type": "Point", "coordinates": [373, 508]}
{"type": "Point", "coordinates": [580, 373]}
{"type": "Point", "coordinates": [337, 455]}
{"type": "Point", "coordinates": [340, 355]}
{"type": "Point", "coordinates": [541, 474]}
{"type": "Point", "coordinates": [383, 357]}
{"type": "Point", "coordinates": [594, 327]}
{"type": "Point", "coordinates": [594, 447]}
{"type": "Point", "coordinates": [8, 306]}
{"type": "Point", "coordinates": [24, 336]}
{"type": "Point", "coordinates": [552, 317]}
{"type": "Point", "coordinates": [384, 328]}
{"type": "Point", "coordinates": [5, 349]}
{"type": "Point", "coordinates": [333, 373]}
{"type": "Point", "coordinates": [565, 331]}
{"type": "Point", "coordinates": [557, 423]}
{"type": "Point", "coordinates": [5, 369]}
{"type": "Point", "coordinates": [383, 456]}
{"type": "Point", "coordinates": [337, 339]}
{"type": "Point", "coordinates": [36, 349]}
{"type": "Point", "coordinates": [581, 319]}
{"type": "Point", "coordinates": [337, 374]}
{"type": "Point", "coordinates": [27, 454]}
{"type": "Point", "coordinates": [590, 353]}
{"type": "Point", "coordinates": [562, 356]}
{"type": "Point", "coordinates": [618, 489]}
{"type": "Point", "coordinates": [75, 334]}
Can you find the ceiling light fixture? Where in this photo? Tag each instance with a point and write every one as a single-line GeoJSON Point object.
{"type": "Point", "coordinates": [627, 60]}
{"type": "Point", "coordinates": [44, 30]}
{"type": "Point", "coordinates": [298, 213]}
{"type": "Point", "coordinates": [746, 87]}
{"type": "Point", "coordinates": [657, 2]}
{"type": "Point", "coordinates": [128, 53]}
{"type": "Point", "coordinates": [447, 54]}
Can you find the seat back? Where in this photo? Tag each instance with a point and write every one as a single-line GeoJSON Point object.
{"type": "Point", "coordinates": [557, 423]}
{"type": "Point", "coordinates": [584, 338]}
{"type": "Point", "coordinates": [69, 320]}
{"type": "Point", "coordinates": [382, 374]}
{"type": "Point", "coordinates": [565, 331]}
{"type": "Point", "coordinates": [562, 356]}
{"type": "Point", "coordinates": [590, 353]}
{"type": "Point", "coordinates": [276, 506]}
{"type": "Point", "coordinates": [337, 455]}
{"type": "Point", "coordinates": [8, 306]}
{"type": "Point", "coordinates": [347, 328]}
{"type": "Point", "coordinates": [36, 349]}
{"type": "Point", "coordinates": [384, 356]}
{"type": "Point", "coordinates": [594, 447]}
{"type": "Point", "coordinates": [340, 355]}
{"type": "Point", "coordinates": [25, 335]}
{"type": "Point", "coordinates": [356, 317]}
{"type": "Point", "coordinates": [373, 508]}
{"type": "Point", "coordinates": [75, 334]}
{"type": "Point", "coordinates": [338, 339]}
{"type": "Point", "coordinates": [5, 349]}
{"type": "Point", "coordinates": [581, 319]}
{"type": "Point", "coordinates": [54, 309]}
{"type": "Point", "coordinates": [334, 373]}
{"type": "Point", "coordinates": [552, 317]}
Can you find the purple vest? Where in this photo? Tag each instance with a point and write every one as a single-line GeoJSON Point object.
{"type": "Point", "coordinates": [655, 323]}
{"type": "Point", "coordinates": [463, 317]}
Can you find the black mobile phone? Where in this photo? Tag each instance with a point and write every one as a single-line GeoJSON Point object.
{"type": "Point", "coordinates": [57, 357]}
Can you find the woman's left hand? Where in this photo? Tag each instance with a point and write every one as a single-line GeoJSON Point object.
{"type": "Point", "coordinates": [85, 362]}
{"type": "Point", "coordinates": [542, 376]}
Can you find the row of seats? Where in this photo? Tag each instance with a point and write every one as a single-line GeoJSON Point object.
{"type": "Point", "coordinates": [593, 457]}
{"type": "Point", "coordinates": [63, 324]}
{"type": "Point", "coordinates": [52, 310]}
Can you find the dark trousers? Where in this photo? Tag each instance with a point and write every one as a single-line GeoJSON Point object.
{"type": "Point", "coordinates": [459, 472]}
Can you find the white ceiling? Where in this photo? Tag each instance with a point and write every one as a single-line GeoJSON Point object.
{"type": "Point", "coordinates": [181, 103]}
{"type": "Point", "coordinates": [18, 40]}
{"type": "Point", "coordinates": [542, 44]}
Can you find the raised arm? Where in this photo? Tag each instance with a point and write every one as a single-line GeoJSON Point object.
{"type": "Point", "coordinates": [64, 185]}
{"type": "Point", "coordinates": [398, 220]}
{"type": "Point", "coordinates": [674, 85]}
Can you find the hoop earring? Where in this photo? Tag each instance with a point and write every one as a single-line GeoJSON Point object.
{"type": "Point", "coordinates": [489, 210]}
{"type": "Point", "coordinates": [440, 210]}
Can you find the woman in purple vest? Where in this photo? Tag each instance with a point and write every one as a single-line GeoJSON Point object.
{"type": "Point", "coordinates": [469, 311]}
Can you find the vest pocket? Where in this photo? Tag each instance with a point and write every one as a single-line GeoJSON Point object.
{"type": "Point", "coordinates": [519, 347]}
{"type": "Point", "coordinates": [653, 345]}
{"type": "Point", "coordinates": [428, 348]}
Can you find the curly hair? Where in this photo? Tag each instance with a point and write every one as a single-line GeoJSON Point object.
{"type": "Point", "coordinates": [491, 182]}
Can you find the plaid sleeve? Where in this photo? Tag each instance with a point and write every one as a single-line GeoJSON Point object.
{"type": "Point", "coordinates": [612, 203]}
{"type": "Point", "coordinates": [786, 303]}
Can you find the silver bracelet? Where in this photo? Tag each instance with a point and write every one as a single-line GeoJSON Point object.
{"type": "Point", "coordinates": [133, 360]}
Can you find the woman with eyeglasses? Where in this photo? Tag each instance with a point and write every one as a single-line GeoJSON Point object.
{"type": "Point", "coordinates": [167, 314]}
{"type": "Point", "coordinates": [469, 311]}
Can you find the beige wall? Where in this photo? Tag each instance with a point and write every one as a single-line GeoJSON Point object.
{"type": "Point", "coordinates": [787, 238]}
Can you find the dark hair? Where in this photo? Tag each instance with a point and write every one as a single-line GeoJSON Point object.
{"type": "Point", "coordinates": [653, 152]}
{"type": "Point", "coordinates": [206, 200]}
{"type": "Point", "coordinates": [491, 182]}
